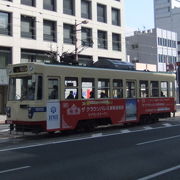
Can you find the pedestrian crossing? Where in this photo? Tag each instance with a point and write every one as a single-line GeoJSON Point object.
{"type": "Point", "coordinates": [148, 127]}
{"type": "Point", "coordinates": [4, 130]}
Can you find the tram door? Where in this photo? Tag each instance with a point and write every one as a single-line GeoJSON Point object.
{"type": "Point", "coordinates": [53, 103]}
{"type": "Point", "coordinates": [131, 100]}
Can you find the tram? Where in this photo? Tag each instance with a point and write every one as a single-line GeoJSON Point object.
{"type": "Point", "coordinates": [48, 98]}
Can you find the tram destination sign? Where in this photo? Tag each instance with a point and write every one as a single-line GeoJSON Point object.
{"type": "Point", "coordinates": [20, 69]}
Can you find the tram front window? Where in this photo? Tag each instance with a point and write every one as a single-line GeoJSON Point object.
{"type": "Point", "coordinates": [22, 88]}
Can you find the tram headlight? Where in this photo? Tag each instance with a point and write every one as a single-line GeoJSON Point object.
{"type": "Point", "coordinates": [30, 68]}
{"type": "Point", "coordinates": [8, 111]}
{"type": "Point", "coordinates": [30, 113]}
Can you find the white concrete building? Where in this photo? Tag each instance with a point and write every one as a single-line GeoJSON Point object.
{"type": "Point", "coordinates": [167, 15]}
{"type": "Point", "coordinates": [29, 28]}
{"type": "Point", "coordinates": [157, 47]}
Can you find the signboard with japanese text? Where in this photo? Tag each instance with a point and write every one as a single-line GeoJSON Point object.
{"type": "Point", "coordinates": [156, 105]}
{"type": "Point", "coordinates": [72, 111]}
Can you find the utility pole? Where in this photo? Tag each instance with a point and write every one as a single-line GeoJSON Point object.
{"type": "Point", "coordinates": [76, 39]}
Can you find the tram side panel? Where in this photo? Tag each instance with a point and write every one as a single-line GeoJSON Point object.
{"type": "Point", "coordinates": [75, 111]}
{"type": "Point", "coordinates": [118, 111]}
{"type": "Point", "coordinates": [159, 107]}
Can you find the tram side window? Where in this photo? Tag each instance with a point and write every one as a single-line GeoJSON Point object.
{"type": "Point", "coordinates": [71, 88]}
{"type": "Point", "coordinates": [53, 88]}
{"type": "Point", "coordinates": [154, 86]}
{"type": "Point", "coordinates": [117, 88]}
{"type": "Point", "coordinates": [164, 89]}
{"type": "Point", "coordinates": [103, 88]}
{"type": "Point", "coordinates": [143, 91]}
{"type": "Point", "coordinates": [130, 89]}
{"type": "Point", "coordinates": [88, 88]}
{"type": "Point", "coordinates": [170, 89]}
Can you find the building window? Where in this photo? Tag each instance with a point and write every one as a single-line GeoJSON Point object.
{"type": "Point", "coordinates": [101, 13]}
{"type": "Point", "coordinates": [28, 27]}
{"type": "Point", "coordinates": [5, 57]}
{"type": "Point", "coordinates": [49, 31]}
{"type": "Point", "coordinates": [28, 2]}
{"type": "Point", "coordinates": [86, 9]}
{"type": "Point", "coordinates": [86, 35]}
{"type": "Point", "coordinates": [49, 5]}
{"type": "Point", "coordinates": [69, 7]}
{"type": "Point", "coordinates": [102, 39]}
{"type": "Point", "coordinates": [115, 17]}
{"type": "Point", "coordinates": [68, 33]}
{"type": "Point", "coordinates": [30, 55]}
{"type": "Point", "coordinates": [5, 23]}
{"type": "Point", "coordinates": [116, 42]}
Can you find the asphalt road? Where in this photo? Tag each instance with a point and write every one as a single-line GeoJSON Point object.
{"type": "Point", "coordinates": [146, 153]}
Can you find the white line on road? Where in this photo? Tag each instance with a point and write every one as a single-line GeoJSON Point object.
{"type": "Point", "coordinates": [125, 131]}
{"type": "Point", "coordinates": [147, 127]}
{"type": "Point", "coordinates": [167, 124]}
{"type": "Point", "coordinates": [157, 140]}
{"type": "Point", "coordinates": [3, 140]}
{"type": "Point", "coordinates": [160, 173]}
{"type": "Point", "coordinates": [97, 135]}
{"type": "Point", "coordinates": [14, 169]}
{"type": "Point", "coordinates": [77, 139]}
{"type": "Point", "coordinates": [4, 130]}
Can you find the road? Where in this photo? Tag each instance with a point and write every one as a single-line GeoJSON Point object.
{"type": "Point", "coordinates": [143, 152]}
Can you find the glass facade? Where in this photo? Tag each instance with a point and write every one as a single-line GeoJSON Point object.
{"type": "Point", "coordinates": [5, 57]}
{"type": "Point", "coordinates": [5, 23]}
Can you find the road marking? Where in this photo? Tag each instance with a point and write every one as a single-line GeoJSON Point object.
{"type": "Point", "coordinates": [157, 140]}
{"type": "Point", "coordinates": [97, 135]}
{"type": "Point", "coordinates": [14, 169]}
{"type": "Point", "coordinates": [4, 130]}
{"type": "Point", "coordinates": [77, 139]}
{"type": "Point", "coordinates": [147, 127]}
{"type": "Point", "coordinates": [167, 124]}
{"type": "Point", "coordinates": [2, 140]}
{"type": "Point", "coordinates": [125, 131]}
{"type": "Point", "coordinates": [160, 173]}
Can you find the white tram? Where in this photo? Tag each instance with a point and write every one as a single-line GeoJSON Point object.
{"type": "Point", "coordinates": [46, 97]}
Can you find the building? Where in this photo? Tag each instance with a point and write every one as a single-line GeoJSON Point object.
{"type": "Point", "coordinates": [156, 46]}
{"type": "Point", "coordinates": [31, 28]}
{"type": "Point", "coordinates": [167, 15]}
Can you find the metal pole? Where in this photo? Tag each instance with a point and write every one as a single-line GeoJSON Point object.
{"type": "Point", "coordinates": [76, 48]}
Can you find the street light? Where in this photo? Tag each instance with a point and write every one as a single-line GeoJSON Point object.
{"type": "Point", "coordinates": [76, 40]}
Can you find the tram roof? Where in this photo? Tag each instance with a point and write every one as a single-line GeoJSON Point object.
{"type": "Point", "coordinates": [86, 68]}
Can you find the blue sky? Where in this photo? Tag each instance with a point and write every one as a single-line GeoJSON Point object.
{"type": "Point", "coordinates": [139, 14]}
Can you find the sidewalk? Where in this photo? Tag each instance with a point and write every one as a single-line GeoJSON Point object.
{"type": "Point", "coordinates": [2, 119]}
